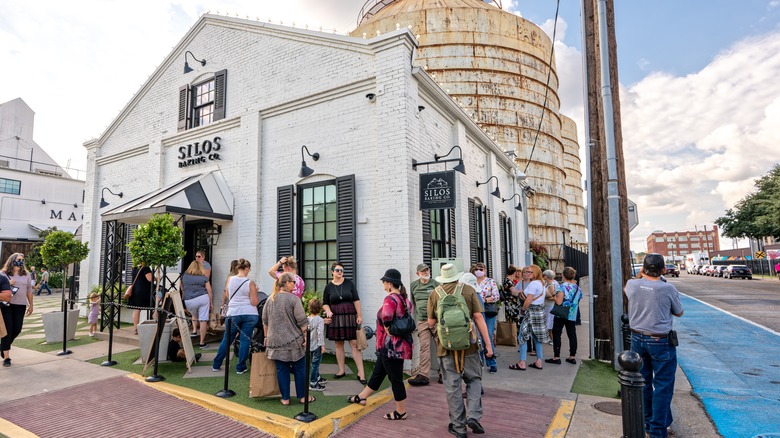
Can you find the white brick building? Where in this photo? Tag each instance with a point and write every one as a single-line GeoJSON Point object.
{"type": "Point", "coordinates": [275, 90]}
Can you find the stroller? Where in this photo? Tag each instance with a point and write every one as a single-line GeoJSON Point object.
{"type": "Point", "coordinates": [258, 335]}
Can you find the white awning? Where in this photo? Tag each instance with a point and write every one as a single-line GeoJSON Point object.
{"type": "Point", "coordinates": [204, 196]}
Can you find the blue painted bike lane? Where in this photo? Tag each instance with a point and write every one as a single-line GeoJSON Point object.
{"type": "Point", "coordinates": [733, 366]}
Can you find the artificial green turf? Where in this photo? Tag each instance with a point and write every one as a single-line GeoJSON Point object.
{"type": "Point", "coordinates": [596, 378]}
{"type": "Point", "coordinates": [174, 374]}
{"type": "Point", "coordinates": [39, 344]}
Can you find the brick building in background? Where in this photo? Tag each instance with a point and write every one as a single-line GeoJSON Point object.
{"type": "Point", "coordinates": [676, 244]}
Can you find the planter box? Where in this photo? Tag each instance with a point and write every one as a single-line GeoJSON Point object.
{"type": "Point", "coordinates": [146, 332]}
{"type": "Point", "coordinates": [52, 325]}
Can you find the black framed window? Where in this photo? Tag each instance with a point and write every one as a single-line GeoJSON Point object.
{"type": "Point", "coordinates": [438, 233]}
{"type": "Point", "coordinates": [480, 238]}
{"type": "Point", "coordinates": [318, 233]}
{"type": "Point", "coordinates": [11, 186]}
{"type": "Point", "coordinates": [203, 107]}
{"type": "Point", "coordinates": [202, 103]}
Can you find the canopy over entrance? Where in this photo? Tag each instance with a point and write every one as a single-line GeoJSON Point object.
{"type": "Point", "coordinates": [204, 196]}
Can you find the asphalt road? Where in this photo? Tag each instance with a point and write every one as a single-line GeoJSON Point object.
{"type": "Point", "coordinates": [756, 300]}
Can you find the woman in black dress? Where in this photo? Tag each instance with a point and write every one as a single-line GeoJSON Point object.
{"type": "Point", "coordinates": [342, 305]}
{"type": "Point", "coordinates": [139, 293]}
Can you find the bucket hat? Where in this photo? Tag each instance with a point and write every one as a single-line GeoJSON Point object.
{"type": "Point", "coordinates": [449, 274]}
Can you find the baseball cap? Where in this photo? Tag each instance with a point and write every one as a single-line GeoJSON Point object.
{"type": "Point", "coordinates": [422, 266]}
{"type": "Point", "coordinates": [654, 262]}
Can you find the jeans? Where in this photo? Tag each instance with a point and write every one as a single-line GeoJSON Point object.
{"type": "Point", "coordinates": [490, 321]}
{"type": "Point", "coordinates": [659, 365]}
{"type": "Point", "coordinates": [524, 348]}
{"type": "Point", "coordinates": [245, 325]}
{"type": "Point", "coordinates": [44, 285]}
{"type": "Point", "coordinates": [283, 377]}
{"type": "Point", "coordinates": [453, 387]}
{"type": "Point", "coordinates": [316, 357]}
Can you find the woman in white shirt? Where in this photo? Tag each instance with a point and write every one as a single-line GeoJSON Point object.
{"type": "Point", "coordinates": [534, 324]}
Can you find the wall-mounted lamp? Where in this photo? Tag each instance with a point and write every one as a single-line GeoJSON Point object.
{"type": "Point", "coordinates": [306, 170]}
{"type": "Point", "coordinates": [460, 168]}
{"type": "Point", "coordinates": [187, 68]}
{"type": "Point", "coordinates": [371, 97]}
{"type": "Point", "coordinates": [519, 206]}
{"type": "Point", "coordinates": [43, 201]}
{"type": "Point", "coordinates": [496, 192]}
{"type": "Point", "coordinates": [420, 108]}
{"type": "Point", "coordinates": [103, 202]}
{"type": "Point", "coordinates": [213, 233]}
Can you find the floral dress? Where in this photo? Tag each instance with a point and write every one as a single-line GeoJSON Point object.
{"type": "Point", "coordinates": [512, 305]}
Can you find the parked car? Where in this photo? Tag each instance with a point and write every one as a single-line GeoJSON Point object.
{"type": "Point", "coordinates": [672, 271]}
{"type": "Point", "coordinates": [702, 269]}
{"type": "Point", "coordinates": [719, 271]}
{"type": "Point", "coordinates": [740, 271]}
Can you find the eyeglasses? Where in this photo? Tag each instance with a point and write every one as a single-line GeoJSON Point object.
{"type": "Point", "coordinates": [198, 256]}
{"type": "Point", "coordinates": [338, 270]}
{"type": "Point", "coordinates": [289, 281]}
{"type": "Point", "coordinates": [480, 270]}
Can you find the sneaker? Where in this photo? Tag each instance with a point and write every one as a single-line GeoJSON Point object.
{"type": "Point", "coordinates": [203, 346]}
{"type": "Point", "coordinates": [451, 429]}
{"type": "Point", "coordinates": [194, 335]}
{"type": "Point", "coordinates": [493, 370]}
{"type": "Point", "coordinates": [197, 357]}
{"type": "Point", "coordinates": [474, 425]}
{"type": "Point", "coordinates": [216, 370]}
{"type": "Point", "coordinates": [419, 380]}
{"type": "Point", "coordinates": [242, 371]}
{"type": "Point", "coordinates": [91, 335]}
{"type": "Point", "coordinates": [7, 362]}
{"type": "Point", "coordinates": [322, 381]}
{"type": "Point", "coordinates": [317, 387]}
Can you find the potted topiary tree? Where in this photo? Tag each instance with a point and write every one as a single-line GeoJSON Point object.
{"type": "Point", "coordinates": [156, 244]}
{"type": "Point", "coordinates": [59, 250]}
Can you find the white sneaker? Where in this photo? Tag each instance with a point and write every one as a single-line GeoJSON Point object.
{"type": "Point", "coordinates": [317, 387]}
{"type": "Point", "coordinates": [216, 370]}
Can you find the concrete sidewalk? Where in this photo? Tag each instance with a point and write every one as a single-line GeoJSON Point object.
{"type": "Point", "coordinates": [516, 403]}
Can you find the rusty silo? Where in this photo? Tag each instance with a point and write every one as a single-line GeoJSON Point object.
{"type": "Point", "coordinates": [495, 64]}
{"type": "Point", "coordinates": [571, 160]}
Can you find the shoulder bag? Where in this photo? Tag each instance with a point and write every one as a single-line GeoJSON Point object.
{"type": "Point", "coordinates": [403, 326]}
{"type": "Point", "coordinates": [129, 290]}
{"type": "Point", "coordinates": [223, 310]}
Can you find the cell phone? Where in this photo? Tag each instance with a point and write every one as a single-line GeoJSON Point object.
{"type": "Point", "coordinates": [14, 290]}
{"type": "Point", "coordinates": [673, 338]}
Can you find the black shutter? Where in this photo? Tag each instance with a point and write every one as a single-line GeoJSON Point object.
{"type": "Point", "coordinates": [220, 90]}
{"type": "Point", "coordinates": [502, 246]}
{"type": "Point", "coordinates": [129, 258]}
{"type": "Point", "coordinates": [509, 242]}
{"type": "Point", "coordinates": [346, 250]}
{"type": "Point", "coordinates": [285, 220]}
{"type": "Point", "coordinates": [184, 108]}
{"type": "Point", "coordinates": [103, 242]}
{"type": "Point", "coordinates": [489, 243]}
{"type": "Point", "coordinates": [426, 237]}
{"type": "Point", "coordinates": [473, 232]}
{"type": "Point", "coordinates": [451, 234]}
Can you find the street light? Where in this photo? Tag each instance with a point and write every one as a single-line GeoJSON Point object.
{"type": "Point", "coordinates": [103, 202]}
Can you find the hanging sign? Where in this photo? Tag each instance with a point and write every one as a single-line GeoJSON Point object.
{"type": "Point", "coordinates": [437, 190]}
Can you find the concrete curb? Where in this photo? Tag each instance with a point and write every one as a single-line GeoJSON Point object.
{"type": "Point", "coordinates": [11, 430]}
{"type": "Point", "coordinates": [272, 423]}
{"type": "Point", "coordinates": [560, 423]}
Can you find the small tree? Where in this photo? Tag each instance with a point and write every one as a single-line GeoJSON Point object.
{"type": "Point", "coordinates": [33, 258]}
{"type": "Point", "coordinates": [157, 243]}
{"type": "Point", "coordinates": [60, 249]}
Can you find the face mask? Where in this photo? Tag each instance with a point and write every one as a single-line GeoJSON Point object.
{"type": "Point", "coordinates": [19, 263]}
{"type": "Point", "coordinates": [479, 274]}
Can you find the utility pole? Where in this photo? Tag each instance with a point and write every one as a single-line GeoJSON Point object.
{"type": "Point", "coordinates": [609, 202]}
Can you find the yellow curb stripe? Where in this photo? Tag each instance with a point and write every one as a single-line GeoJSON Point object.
{"type": "Point", "coordinates": [272, 423]}
{"type": "Point", "coordinates": [11, 430]}
{"type": "Point", "coordinates": [560, 423]}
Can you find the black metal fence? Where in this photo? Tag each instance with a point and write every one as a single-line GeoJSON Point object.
{"type": "Point", "coordinates": [577, 259]}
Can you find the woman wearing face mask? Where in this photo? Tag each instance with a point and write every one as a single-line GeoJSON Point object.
{"type": "Point", "coordinates": [488, 290]}
{"type": "Point", "coordinates": [21, 303]}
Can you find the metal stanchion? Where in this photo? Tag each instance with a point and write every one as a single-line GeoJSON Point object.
{"type": "Point", "coordinates": [160, 327]}
{"type": "Point", "coordinates": [626, 332]}
{"type": "Point", "coordinates": [109, 362]}
{"type": "Point", "coordinates": [306, 416]}
{"type": "Point", "coordinates": [65, 350]}
{"type": "Point", "coordinates": [226, 392]}
{"type": "Point", "coordinates": [631, 385]}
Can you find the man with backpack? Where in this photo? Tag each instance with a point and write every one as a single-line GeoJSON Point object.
{"type": "Point", "coordinates": [454, 310]}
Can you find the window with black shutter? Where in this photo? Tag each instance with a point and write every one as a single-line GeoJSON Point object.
{"type": "Point", "coordinates": [506, 246]}
{"type": "Point", "coordinates": [285, 196]}
{"type": "Point", "coordinates": [202, 103]}
{"type": "Point", "coordinates": [480, 235]}
{"type": "Point", "coordinates": [438, 234]}
{"type": "Point", "coordinates": [473, 232]}
{"type": "Point", "coordinates": [427, 238]}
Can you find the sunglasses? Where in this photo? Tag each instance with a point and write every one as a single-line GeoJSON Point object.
{"type": "Point", "coordinates": [290, 281]}
{"type": "Point", "coordinates": [338, 270]}
{"type": "Point", "coordinates": [480, 270]}
{"type": "Point", "coordinates": [528, 272]}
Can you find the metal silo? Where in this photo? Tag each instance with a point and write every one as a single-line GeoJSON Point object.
{"type": "Point", "coordinates": [495, 64]}
{"type": "Point", "coordinates": [571, 160]}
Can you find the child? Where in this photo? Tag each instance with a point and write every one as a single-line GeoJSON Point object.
{"type": "Point", "coordinates": [317, 344]}
{"type": "Point", "coordinates": [175, 352]}
{"type": "Point", "coordinates": [94, 311]}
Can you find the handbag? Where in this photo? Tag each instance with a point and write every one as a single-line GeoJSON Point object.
{"type": "Point", "coordinates": [491, 309]}
{"type": "Point", "coordinates": [560, 311]}
{"type": "Point", "coordinates": [506, 333]}
{"type": "Point", "coordinates": [360, 336]}
{"type": "Point", "coordinates": [262, 377]}
{"type": "Point", "coordinates": [129, 290]}
{"type": "Point", "coordinates": [403, 326]}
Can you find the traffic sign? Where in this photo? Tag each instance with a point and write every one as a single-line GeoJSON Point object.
{"type": "Point", "coordinates": [633, 215]}
{"type": "Point", "coordinates": [760, 255]}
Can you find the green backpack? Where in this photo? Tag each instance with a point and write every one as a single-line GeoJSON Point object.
{"type": "Point", "coordinates": [454, 319]}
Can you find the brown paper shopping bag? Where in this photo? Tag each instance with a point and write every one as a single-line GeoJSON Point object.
{"type": "Point", "coordinates": [506, 333]}
{"type": "Point", "coordinates": [262, 378]}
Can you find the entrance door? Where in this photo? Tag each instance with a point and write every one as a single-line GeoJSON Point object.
{"type": "Point", "coordinates": [196, 239]}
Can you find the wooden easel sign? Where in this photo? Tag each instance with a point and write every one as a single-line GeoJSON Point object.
{"type": "Point", "coordinates": [181, 322]}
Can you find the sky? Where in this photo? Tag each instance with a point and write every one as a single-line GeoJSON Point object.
{"type": "Point", "coordinates": [699, 88]}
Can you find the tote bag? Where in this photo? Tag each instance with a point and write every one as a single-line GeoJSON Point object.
{"type": "Point", "coordinates": [262, 378]}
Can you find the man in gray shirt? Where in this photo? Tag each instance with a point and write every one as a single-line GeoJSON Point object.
{"type": "Point", "coordinates": [651, 305]}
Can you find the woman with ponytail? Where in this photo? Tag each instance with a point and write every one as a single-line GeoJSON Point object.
{"type": "Point", "coordinates": [242, 314]}
{"type": "Point", "coordinates": [391, 350]}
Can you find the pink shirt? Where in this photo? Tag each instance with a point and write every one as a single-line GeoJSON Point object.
{"type": "Point", "coordinates": [300, 286]}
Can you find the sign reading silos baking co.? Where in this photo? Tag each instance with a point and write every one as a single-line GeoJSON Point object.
{"type": "Point", "coordinates": [437, 190]}
{"type": "Point", "coordinates": [199, 152]}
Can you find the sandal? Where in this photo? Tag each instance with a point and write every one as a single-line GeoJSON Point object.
{"type": "Point", "coordinates": [285, 402]}
{"type": "Point", "coordinates": [356, 400]}
{"type": "Point", "coordinates": [362, 381]}
{"type": "Point", "coordinates": [312, 399]}
{"type": "Point", "coordinates": [516, 366]}
{"type": "Point", "coordinates": [534, 365]}
{"type": "Point", "coordinates": [395, 416]}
